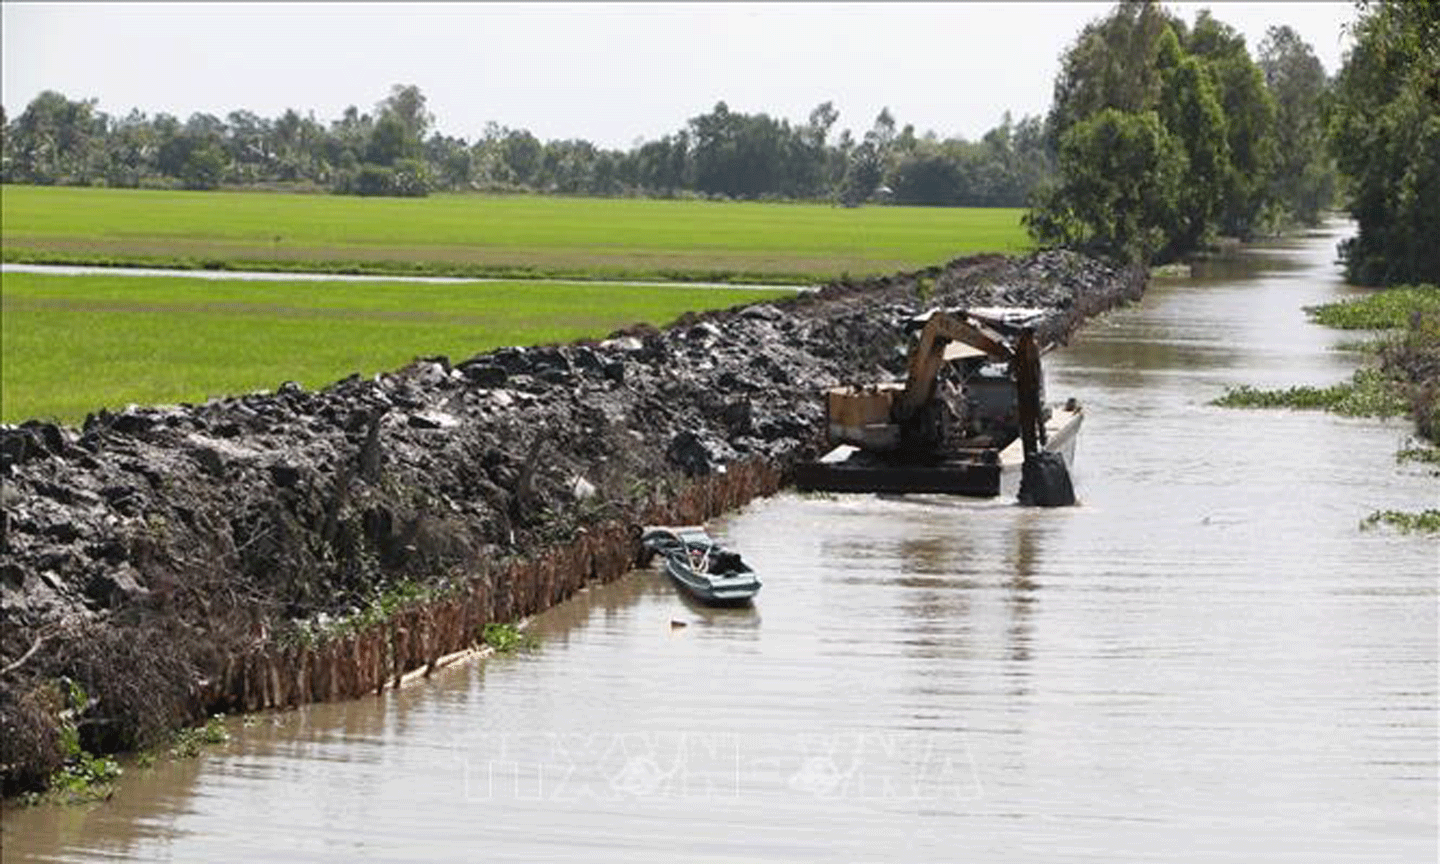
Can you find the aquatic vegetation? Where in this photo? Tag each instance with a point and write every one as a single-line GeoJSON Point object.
{"type": "Point", "coordinates": [1246, 396]}
{"type": "Point", "coordinates": [1425, 455]}
{"type": "Point", "coordinates": [1413, 359]}
{"type": "Point", "coordinates": [1424, 522]}
{"type": "Point", "coordinates": [83, 777]}
{"type": "Point", "coordinates": [507, 638]}
{"type": "Point", "coordinates": [1369, 393]}
{"type": "Point", "coordinates": [1365, 346]}
{"type": "Point", "coordinates": [1405, 377]}
{"type": "Point", "coordinates": [1173, 270]}
{"type": "Point", "coordinates": [190, 742]}
{"type": "Point", "coordinates": [1386, 309]}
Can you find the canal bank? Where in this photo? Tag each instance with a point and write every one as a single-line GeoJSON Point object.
{"type": "Point", "coordinates": [277, 548]}
{"type": "Point", "coordinates": [1206, 661]}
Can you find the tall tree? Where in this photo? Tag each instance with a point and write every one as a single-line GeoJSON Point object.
{"type": "Point", "coordinates": [390, 141]}
{"type": "Point", "coordinates": [1385, 131]}
{"type": "Point", "coordinates": [714, 149]}
{"type": "Point", "coordinates": [1190, 110]}
{"type": "Point", "coordinates": [1212, 104]}
{"type": "Point", "coordinates": [740, 155]}
{"type": "Point", "coordinates": [1249, 123]}
{"type": "Point", "coordinates": [450, 160]}
{"type": "Point", "coordinates": [348, 135]}
{"type": "Point", "coordinates": [657, 168]}
{"type": "Point", "coordinates": [56, 140]}
{"type": "Point", "coordinates": [1122, 174]}
{"type": "Point", "coordinates": [1304, 177]}
{"type": "Point", "coordinates": [808, 169]}
{"type": "Point", "coordinates": [5, 157]}
{"type": "Point", "coordinates": [868, 161]}
{"type": "Point", "coordinates": [1111, 64]}
{"type": "Point", "coordinates": [247, 146]}
{"type": "Point", "coordinates": [822, 120]}
{"type": "Point", "coordinates": [521, 152]}
{"type": "Point", "coordinates": [928, 176]}
{"type": "Point", "coordinates": [130, 150]}
{"type": "Point", "coordinates": [390, 152]}
{"type": "Point", "coordinates": [407, 104]}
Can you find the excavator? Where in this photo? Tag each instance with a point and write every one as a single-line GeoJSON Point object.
{"type": "Point", "coordinates": [969, 419]}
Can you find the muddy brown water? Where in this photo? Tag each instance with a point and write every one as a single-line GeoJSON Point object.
{"type": "Point", "coordinates": [1207, 660]}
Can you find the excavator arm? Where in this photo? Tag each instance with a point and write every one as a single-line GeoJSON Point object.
{"type": "Point", "coordinates": [1025, 367]}
{"type": "Point", "coordinates": [928, 356]}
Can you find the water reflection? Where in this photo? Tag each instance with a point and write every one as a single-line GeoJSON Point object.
{"type": "Point", "coordinates": [737, 622]}
{"type": "Point", "coordinates": [1023, 597]}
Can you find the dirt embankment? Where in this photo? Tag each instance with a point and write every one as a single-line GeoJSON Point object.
{"type": "Point", "coordinates": [162, 558]}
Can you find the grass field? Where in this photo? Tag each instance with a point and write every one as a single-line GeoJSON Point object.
{"type": "Point", "coordinates": [511, 236]}
{"type": "Point", "coordinates": [72, 344]}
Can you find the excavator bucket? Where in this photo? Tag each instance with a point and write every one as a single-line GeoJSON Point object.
{"type": "Point", "coordinates": [1045, 481]}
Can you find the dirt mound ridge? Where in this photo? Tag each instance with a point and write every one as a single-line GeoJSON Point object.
{"type": "Point", "coordinates": [142, 554]}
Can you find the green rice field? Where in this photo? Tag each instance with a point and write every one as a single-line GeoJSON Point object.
{"type": "Point", "coordinates": [72, 344]}
{"type": "Point", "coordinates": [489, 235]}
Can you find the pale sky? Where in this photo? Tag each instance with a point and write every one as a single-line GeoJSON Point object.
{"type": "Point", "coordinates": [611, 73]}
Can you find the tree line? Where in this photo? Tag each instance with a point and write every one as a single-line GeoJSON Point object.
{"type": "Point", "coordinates": [1161, 137]}
{"type": "Point", "coordinates": [395, 150]}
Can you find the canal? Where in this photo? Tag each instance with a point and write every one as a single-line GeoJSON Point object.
{"type": "Point", "coordinates": [1207, 660]}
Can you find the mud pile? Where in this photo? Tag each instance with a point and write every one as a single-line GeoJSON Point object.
{"type": "Point", "coordinates": [148, 554]}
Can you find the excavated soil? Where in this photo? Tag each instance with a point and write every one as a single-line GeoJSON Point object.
{"type": "Point", "coordinates": [164, 558]}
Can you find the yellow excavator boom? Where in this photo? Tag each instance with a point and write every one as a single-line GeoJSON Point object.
{"type": "Point", "coordinates": [929, 354]}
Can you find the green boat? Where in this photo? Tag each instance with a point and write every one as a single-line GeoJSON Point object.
{"type": "Point", "coordinates": [701, 567]}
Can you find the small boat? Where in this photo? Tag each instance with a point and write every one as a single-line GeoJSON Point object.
{"type": "Point", "coordinates": [702, 568]}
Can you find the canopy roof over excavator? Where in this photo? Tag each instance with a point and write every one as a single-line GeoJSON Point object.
{"type": "Point", "coordinates": [1008, 317]}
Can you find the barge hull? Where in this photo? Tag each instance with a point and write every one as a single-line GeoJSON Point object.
{"type": "Point", "coordinates": [851, 475]}
{"type": "Point", "coordinates": [850, 469]}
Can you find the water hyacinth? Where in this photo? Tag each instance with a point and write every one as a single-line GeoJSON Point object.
{"type": "Point", "coordinates": [1368, 394]}
{"type": "Point", "coordinates": [1389, 309]}
{"type": "Point", "coordinates": [1425, 522]}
